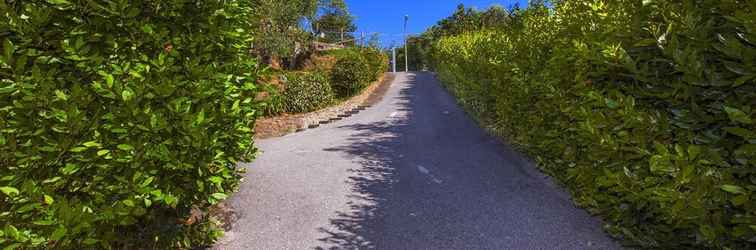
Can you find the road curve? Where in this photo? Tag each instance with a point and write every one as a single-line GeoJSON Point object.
{"type": "Point", "coordinates": [411, 172]}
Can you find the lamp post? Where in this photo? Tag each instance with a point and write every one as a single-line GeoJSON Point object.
{"type": "Point", "coordinates": [393, 58]}
{"type": "Point", "coordinates": [406, 50]}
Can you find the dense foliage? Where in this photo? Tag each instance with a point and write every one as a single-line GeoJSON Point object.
{"type": "Point", "coordinates": [313, 88]}
{"type": "Point", "coordinates": [351, 73]}
{"type": "Point", "coordinates": [463, 20]}
{"type": "Point", "coordinates": [377, 62]}
{"type": "Point", "coordinates": [276, 25]}
{"type": "Point", "coordinates": [335, 23]}
{"type": "Point", "coordinates": [643, 109]}
{"type": "Point", "coordinates": [306, 91]}
{"type": "Point", "coordinates": [121, 121]}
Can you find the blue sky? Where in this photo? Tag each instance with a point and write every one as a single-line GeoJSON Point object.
{"type": "Point", "coordinates": [387, 16]}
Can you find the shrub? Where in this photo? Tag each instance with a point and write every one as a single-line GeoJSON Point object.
{"type": "Point", "coordinates": [377, 62]}
{"type": "Point", "coordinates": [307, 91]}
{"type": "Point", "coordinates": [118, 120]}
{"type": "Point", "coordinates": [645, 111]}
{"type": "Point", "coordinates": [350, 74]}
{"type": "Point", "coordinates": [343, 53]}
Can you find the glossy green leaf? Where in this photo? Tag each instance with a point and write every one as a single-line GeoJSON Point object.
{"type": "Point", "coordinates": [78, 149]}
{"type": "Point", "coordinates": [8, 49]}
{"type": "Point", "coordinates": [109, 80]}
{"type": "Point", "coordinates": [70, 169]}
{"type": "Point", "coordinates": [733, 189]}
{"type": "Point", "coordinates": [59, 2]}
{"type": "Point", "coordinates": [219, 196]}
{"type": "Point", "coordinates": [49, 200]}
{"type": "Point", "coordinates": [147, 181]}
{"type": "Point", "coordinates": [59, 233]}
{"type": "Point", "coordinates": [737, 115]}
{"type": "Point", "coordinates": [60, 95]}
{"type": "Point", "coordinates": [744, 133]}
{"type": "Point", "coordinates": [52, 180]}
{"type": "Point", "coordinates": [127, 94]}
{"type": "Point", "coordinates": [9, 191]}
{"type": "Point", "coordinates": [125, 147]}
{"type": "Point", "coordinates": [612, 104]}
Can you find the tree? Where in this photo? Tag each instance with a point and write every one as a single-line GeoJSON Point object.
{"type": "Point", "coordinates": [278, 28]}
{"type": "Point", "coordinates": [335, 22]}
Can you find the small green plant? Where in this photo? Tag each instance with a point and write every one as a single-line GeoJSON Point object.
{"type": "Point", "coordinates": [274, 102]}
{"type": "Point", "coordinates": [307, 91]}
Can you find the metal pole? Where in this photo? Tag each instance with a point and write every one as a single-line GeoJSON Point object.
{"type": "Point", "coordinates": [393, 58]}
{"type": "Point", "coordinates": [406, 50]}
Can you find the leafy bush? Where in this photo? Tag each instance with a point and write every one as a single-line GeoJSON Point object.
{"type": "Point", "coordinates": [644, 110]}
{"type": "Point", "coordinates": [342, 53]}
{"type": "Point", "coordinates": [307, 91]}
{"type": "Point", "coordinates": [350, 74]}
{"type": "Point", "coordinates": [119, 119]}
{"type": "Point", "coordinates": [377, 62]}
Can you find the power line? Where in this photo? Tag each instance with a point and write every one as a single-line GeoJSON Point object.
{"type": "Point", "coordinates": [375, 33]}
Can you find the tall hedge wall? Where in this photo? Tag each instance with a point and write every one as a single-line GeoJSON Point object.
{"type": "Point", "coordinates": [643, 109]}
{"type": "Point", "coordinates": [121, 121]}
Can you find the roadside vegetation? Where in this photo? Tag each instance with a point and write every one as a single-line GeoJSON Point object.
{"type": "Point", "coordinates": [122, 122]}
{"type": "Point", "coordinates": [644, 110]}
{"type": "Point", "coordinates": [304, 79]}
{"type": "Point", "coordinates": [327, 78]}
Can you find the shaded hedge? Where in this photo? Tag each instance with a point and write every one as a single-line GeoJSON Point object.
{"type": "Point", "coordinates": [121, 121]}
{"type": "Point", "coordinates": [643, 109]}
{"type": "Point", "coordinates": [306, 91]}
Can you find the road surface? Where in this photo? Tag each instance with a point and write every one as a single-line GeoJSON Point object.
{"type": "Point", "coordinates": [411, 172]}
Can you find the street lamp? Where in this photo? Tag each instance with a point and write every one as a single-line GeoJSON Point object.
{"type": "Point", "coordinates": [393, 58]}
{"type": "Point", "coordinates": [406, 50]}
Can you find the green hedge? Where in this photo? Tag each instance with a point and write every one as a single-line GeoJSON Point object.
{"type": "Point", "coordinates": [120, 118]}
{"type": "Point", "coordinates": [377, 62]}
{"type": "Point", "coordinates": [306, 91]}
{"type": "Point", "coordinates": [643, 109]}
{"type": "Point", "coordinates": [350, 74]}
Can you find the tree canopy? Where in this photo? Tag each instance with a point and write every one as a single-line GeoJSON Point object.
{"type": "Point", "coordinates": [277, 32]}
{"type": "Point", "coordinates": [333, 21]}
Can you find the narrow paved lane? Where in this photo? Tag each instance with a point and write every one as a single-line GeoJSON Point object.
{"type": "Point", "coordinates": [412, 172]}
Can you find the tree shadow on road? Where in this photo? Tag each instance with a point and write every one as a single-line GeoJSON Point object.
{"type": "Point", "coordinates": [374, 146]}
{"type": "Point", "coordinates": [456, 187]}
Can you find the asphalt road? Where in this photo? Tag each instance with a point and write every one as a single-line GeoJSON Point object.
{"type": "Point", "coordinates": [411, 172]}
